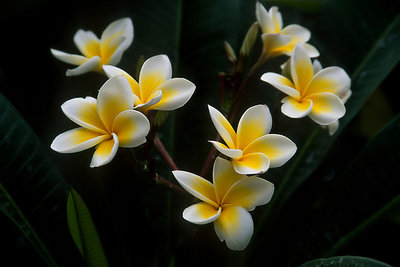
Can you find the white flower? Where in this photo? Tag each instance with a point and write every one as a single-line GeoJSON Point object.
{"type": "Point", "coordinates": [107, 123]}
{"type": "Point", "coordinates": [115, 39]}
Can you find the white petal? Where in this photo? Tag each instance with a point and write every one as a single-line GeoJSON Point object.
{"type": "Point", "coordinates": [249, 193]}
{"type": "Point", "coordinates": [224, 176]}
{"type": "Point", "coordinates": [201, 213]}
{"type": "Point", "coordinates": [114, 97]}
{"type": "Point", "coordinates": [232, 153]}
{"type": "Point", "coordinates": [105, 152]}
{"type": "Point", "coordinates": [88, 43]}
{"type": "Point", "coordinates": [224, 128]}
{"type": "Point", "coordinates": [83, 111]}
{"type": "Point", "coordinates": [154, 72]}
{"type": "Point", "coordinates": [297, 32]}
{"type": "Point", "coordinates": [331, 80]}
{"type": "Point", "coordinates": [131, 127]}
{"type": "Point", "coordinates": [197, 186]}
{"type": "Point", "coordinates": [275, 43]}
{"type": "Point", "coordinates": [317, 66]}
{"type": "Point", "coordinates": [281, 83]}
{"type": "Point", "coordinates": [264, 19]}
{"type": "Point", "coordinates": [278, 148]}
{"type": "Point", "coordinates": [255, 122]}
{"type": "Point", "coordinates": [112, 71]}
{"type": "Point", "coordinates": [327, 108]}
{"type": "Point", "coordinates": [76, 140]}
{"type": "Point", "coordinates": [301, 68]}
{"type": "Point", "coordinates": [153, 99]}
{"type": "Point", "coordinates": [69, 58]}
{"type": "Point", "coordinates": [175, 93]}
{"type": "Point", "coordinates": [254, 163]}
{"type": "Point", "coordinates": [235, 226]}
{"type": "Point", "coordinates": [92, 64]}
{"type": "Point", "coordinates": [122, 27]}
{"type": "Point", "coordinates": [294, 109]}
{"type": "Point", "coordinates": [311, 50]}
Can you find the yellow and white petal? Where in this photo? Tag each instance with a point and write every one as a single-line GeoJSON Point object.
{"type": "Point", "coordinates": [224, 128]}
{"type": "Point", "coordinates": [278, 148]}
{"type": "Point", "coordinates": [281, 83]}
{"type": "Point", "coordinates": [176, 92]}
{"type": "Point", "coordinates": [274, 43]}
{"type": "Point", "coordinates": [152, 100]}
{"type": "Point", "coordinates": [92, 64]}
{"type": "Point", "coordinates": [311, 50]}
{"type": "Point", "coordinates": [330, 80]}
{"type": "Point", "coordinates": [276, 18]}
{"type": "Point", "coordinates": [317, 66]}
{"type": "Point", "coordinates": [249, 193]}
{"type": "Point", "coordinates": [88, 43]}
{"type": "Point", "coordinates": [83, 111]}
{"type": "Point", "coordinates": [327, 108]}
{"type": "Point", "coordinates": [223, 149]}
{"type": "Point", "coordinates": [154, 72]}
{"type": "Point", "coordinates": [76, 140]}
{"type": "Point", "coordinates": [68, 58]}
{"type": "Point", "coordinates": [254, 163]}
{"type": "Point", "coordinates": [197, 186]}
{"type": "Point", "coordinates": [332, 128]}
{"type": "Point", "coordinates": [301, 68]}
{"type": "Point", "coordinates": [254, 123]}
{"type": "Point", "coordinates": [264, 19]}
{"type": "Point", "coordinates": [297, 32]}
{"type": "Point", "coordinates": [105, 152]}
{"type": "Point", "coordinates": [131, 127]}
{"type": "Point", "coordinates": [224, 176]}
{"type": "Point", "coordinates": [235, 226]}
{"type": "Point", "coordinates": [112, 71]}
{"type": "Point", "coordinates": [292, 108]}
{"type": "Point", "coordinates": [201, 213]}
{"type": "Point", "coordinates": [115, 39]}
{"type": "Point", "coordinates": [115, 96]}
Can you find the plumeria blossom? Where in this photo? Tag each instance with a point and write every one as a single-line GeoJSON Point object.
{"type": "Point", "coordinates": [316, 94]}
{"type": "Point", "coordinates": [115, 39]}
{"type": "Point", "coordinates": [252, 149]}
{"type": "Point", "coordinates": [107, 123]}
{"type": "Point", "coordinates": [156, 90]}
{"type": "Point", "coordinates": [278, 40]}
{"type": "Point", "coordinates": [226, 202]}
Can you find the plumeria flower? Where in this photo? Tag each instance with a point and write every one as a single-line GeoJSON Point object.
{"type": "Point", "coordinates": [278, 40]}
{"type": "Point", "coordinates": [226, 202]}
{"type": "Point", "coordinates": [155, 89]}
{"type": "Point", "coordinates": [317, 95]}
{"type": "Point", "coordinates": [115, 39]}
{"type": "Point", "coordinates": [107, 123]}
{"type": "Point", "coordinates": [252, 149]}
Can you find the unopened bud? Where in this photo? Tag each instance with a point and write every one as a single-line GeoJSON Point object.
{"type": "Point", "coordinates": [230, 54]}
{"type": "Point", "coordinates": [249, 40]}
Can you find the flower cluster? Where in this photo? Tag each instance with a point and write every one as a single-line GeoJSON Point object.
{"type": "Point", "coordinates": [119, 117]}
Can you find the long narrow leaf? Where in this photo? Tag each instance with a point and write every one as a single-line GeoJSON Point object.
{"type": "Point", "coordinates": [31, 186]}
{"type": "Point", "coordinates": [83, 231]}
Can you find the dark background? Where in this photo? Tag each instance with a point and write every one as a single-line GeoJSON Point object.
{"type": "Point", "coordinates": [140, 222]}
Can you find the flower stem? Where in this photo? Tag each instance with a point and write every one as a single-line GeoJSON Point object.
{"type": "Point", "coordinates": [164, 153]}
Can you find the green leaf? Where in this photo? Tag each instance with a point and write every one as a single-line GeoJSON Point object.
{"type": "Point", "coordinates": [345, 261]}
{"type": "Point", "coordinates": [83, 231]}
{"type": "Point", "coordinates": [31, 187]}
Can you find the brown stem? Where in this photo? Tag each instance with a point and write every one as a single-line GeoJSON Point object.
{"type": "Point", "coordinates": [164, 153]}
{"type": "Point", "coordinates": [160, 180]}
